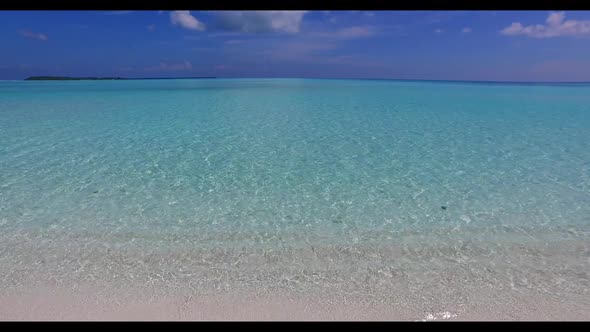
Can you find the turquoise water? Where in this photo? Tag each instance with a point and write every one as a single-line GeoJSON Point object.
{"type": "Point", "coordinates": [292, 163]}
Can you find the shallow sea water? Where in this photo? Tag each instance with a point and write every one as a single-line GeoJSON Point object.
{"type": "Point", "coordinates": [358, 185]}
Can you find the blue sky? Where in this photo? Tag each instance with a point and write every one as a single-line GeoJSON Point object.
{"type": "Point", "coordinates": [453, 45]}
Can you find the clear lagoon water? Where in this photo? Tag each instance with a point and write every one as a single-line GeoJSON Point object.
{"type": "Point", "coordinates": [296, 184]}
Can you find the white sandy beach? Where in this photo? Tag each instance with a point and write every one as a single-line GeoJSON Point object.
{"type": "Point", "coordinates": [55, 304]}
{"type": "Point", "coordinates": [418, 282]}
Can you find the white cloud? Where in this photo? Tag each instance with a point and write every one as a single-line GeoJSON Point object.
{"type": "Point", "coordinates": [261, 21]}
{"type": "Point", "coordinates": [33, 35]}
{"type": "Point", "coordinates": [186, 20]}
{"type": "Point", "coordinates": [555, 26]}
{"type": "Point", "coordinates": [438, 31]}
{"type": "Point", "coordinates": [186, 65]}
{"type": "Point", "coordinates": [466, 30]}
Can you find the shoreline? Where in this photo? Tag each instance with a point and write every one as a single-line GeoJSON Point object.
{"type": "Point", "coordinates": [420, 281]}
{"type": "Point", "coordinates": [41, 304]}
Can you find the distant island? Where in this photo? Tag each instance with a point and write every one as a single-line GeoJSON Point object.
{"type": "Point", "coordinates": [65, 78]}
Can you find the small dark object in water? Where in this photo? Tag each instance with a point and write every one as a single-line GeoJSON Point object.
{"type": "Point", "coordinates": [443, 207]}
{"type": "Point", "coordinates": [337, 221]}
{"type": "Point", "coordinates": [95, 192]}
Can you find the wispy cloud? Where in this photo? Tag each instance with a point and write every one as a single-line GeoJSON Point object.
{"type": "Point", "coordinates": [118, 12]}
{"type": "Point", "coordinates": [151, 27]}
{"type": "Point", "coordinates": [193, 37]}
{"type": "Point", "coordinates": [347, 33]}
{"type": "Point", "coordinates": [356, 32]}
{"type": "Point", "coordinates": [466, 30]}
{"type": "Point", "coordinates": [317, 53]}
{"type": "Point", "coordinates": [163, 66]}
{"type": "Point", "coordinates": [298, 50]}
{"type": "Point", "coordinates": [261, 21]}
{"type": "Point", "coordinates": [233, 42]}
{"type": "Point", "coordinates": [352, 60]}
{"type": "Point", "coordinates": [186, 20]}
{"type": "Point", "coordinates": [33, 35]}
{"type": "Point", "coordinates": [78, 26]}
{"type": "Point", "coordinates": [439, 17]}
{"type": "Point", "coordinates": [125, 68]}
{"type": "Point", "coordinates": [313, 47]}
{"type": "Point", "coordinates": [555, 26]}
{"type": "Point", "coordinates": [438, 31]}
{"type": "Point", "coordinates": [562, 70]}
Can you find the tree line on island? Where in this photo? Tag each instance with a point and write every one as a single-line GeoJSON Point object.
{"type": "Point", "coordinates": [66, 78]}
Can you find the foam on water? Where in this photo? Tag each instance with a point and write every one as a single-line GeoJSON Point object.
{"type": "Point", "coordinates": [398, 177]}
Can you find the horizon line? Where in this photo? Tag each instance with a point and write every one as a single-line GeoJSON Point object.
{"type": "Point", "coordinates": [293, 77]}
